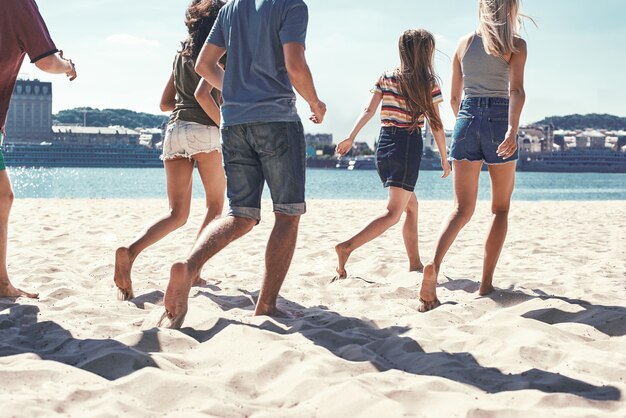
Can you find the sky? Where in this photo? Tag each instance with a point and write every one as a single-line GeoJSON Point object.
{"type": "Point", "coordinates": [123, 50]}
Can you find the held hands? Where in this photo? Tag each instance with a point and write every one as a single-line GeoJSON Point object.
{"type": "Point", "coordinates": [344, 147]}
{"type": "Point", "coordinates": [71, 72]}
{"type": "Point", "coordinates": [508, 147]}
{"type": "Point", "coordinates": [318, 111]}
{"type": "Point", "coordinates": [445, 164]}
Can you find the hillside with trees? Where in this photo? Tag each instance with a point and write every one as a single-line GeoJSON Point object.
{"type": "Point", "coordinates": [593, 121]}
{"type": "Point", "coordinates": [109, 117]}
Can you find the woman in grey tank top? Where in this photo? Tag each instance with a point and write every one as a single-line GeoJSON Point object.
{"type": "Point", "coordinates": [192, 139]}
{"type": "Point", "coordinates": [488, 74]}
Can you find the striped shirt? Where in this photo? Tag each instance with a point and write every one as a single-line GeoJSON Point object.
{"type": "Point", "coordinates": [394, 109]}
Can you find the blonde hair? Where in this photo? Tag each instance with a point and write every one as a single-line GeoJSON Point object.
{"type": "Point", "coordinates": [416, 76]}
{"type": "Point", "coordinates": [500, 23]}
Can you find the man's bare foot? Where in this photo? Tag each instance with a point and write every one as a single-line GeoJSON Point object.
{"type": "Point", "coordinates": [121, 277]}
{"type": "Point", "coordinates": [342, 258]}
{"type": "Point", "coordinates": [199, 282]}
{"type": "Point", "coordinates": [8, 291]}
{"type": "Point", "coordinates": [428, 291]}
{"type": "Point", "coordinates": [485, 289]}
{"type": "Point", "coordinates": [176, 295]}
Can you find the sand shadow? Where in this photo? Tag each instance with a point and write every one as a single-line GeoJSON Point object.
{"type": "Point", "coordinates": [20, 332]}
{"type": "Point", "coordinates": [358, 340]}
{"type": "Point", "coordinates": [610, 320]}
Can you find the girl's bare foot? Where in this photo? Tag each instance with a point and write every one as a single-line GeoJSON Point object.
{"type": "Point", "coordinates": [428, 291]}
{"type": "Point", "coordinates": [342, 258]}
{"type": "Point", "coordinates": [176, 295]}
{"type": "Point", "coordinates": [8, 291]}
{"type": "Point", "coordinates": [121, 277]}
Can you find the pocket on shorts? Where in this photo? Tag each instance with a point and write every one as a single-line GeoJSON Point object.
{"type": "Point", "coordinates": [462, 125]}
{"type": "Point", "coordinates": [498, 126]}
{"type": "Point", "coordinates": [273, 140]}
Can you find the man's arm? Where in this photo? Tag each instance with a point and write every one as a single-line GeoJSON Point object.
{"type": "Point", "coordinates": [208, 65]}
{"type": "Point", "coordinates": [56, 64]}
{"type": "Point", "coordinates": [302, 80]}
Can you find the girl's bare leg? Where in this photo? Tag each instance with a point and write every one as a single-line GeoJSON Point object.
{"type": "Point", "coordinates": [466, 175]}
{"type": "Point", "coordinates": [214, 183]}
{"type": "Point", "coordinates": [179, 180]}
{"type": "Point", "coordinates": [410, 234]}
{"type": "Point", "coordinates": [502, 184]}
{"type": "Point", "coordinates": [398, 199]}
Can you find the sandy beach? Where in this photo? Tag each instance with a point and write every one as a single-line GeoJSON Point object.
{"type": "Point", "coordinates": [551, 341]}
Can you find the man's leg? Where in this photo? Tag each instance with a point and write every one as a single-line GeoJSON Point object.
{"type": "Point", "coordinates": [215, 237]}
{"type": "Point", "coordinates": [6, 200]}
{"type": "Point", "coordinates": [278, 255]}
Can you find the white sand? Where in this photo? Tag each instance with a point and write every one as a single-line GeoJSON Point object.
{"type": "Point", "coordinates": [550, 342]}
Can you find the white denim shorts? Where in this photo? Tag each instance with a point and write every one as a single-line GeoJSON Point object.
{"type": "Point", "coordinates": [186, 139]}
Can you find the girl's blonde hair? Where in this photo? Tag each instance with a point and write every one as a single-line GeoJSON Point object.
{"type": "Point", "coordinates": [417, 77]}
{"type": "Point", "coordinates": [500, 23]}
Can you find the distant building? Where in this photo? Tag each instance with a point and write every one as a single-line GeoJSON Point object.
{"type": "Point", "coordinates": [30, 112]}
{"type": "Point", "coordinates": [87, 135]}
{"type": "Point", "coordinates": [319, 139]}
{"type": "Point", "coordinates": [429, 139]}
{"type": "Point", "coordinates": [362, 148]}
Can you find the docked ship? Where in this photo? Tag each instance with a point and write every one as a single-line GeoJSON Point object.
{"type": "Point", "coordinates": [575, 161]}
{"type": "Point", "coordinates": [47, 154]}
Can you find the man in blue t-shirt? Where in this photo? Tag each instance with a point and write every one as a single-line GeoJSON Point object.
{"type": "Point", "coordinates": [262, 138]}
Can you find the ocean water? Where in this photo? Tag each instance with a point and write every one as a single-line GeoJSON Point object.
{"type": "Point", "coordinates": [109, 183]}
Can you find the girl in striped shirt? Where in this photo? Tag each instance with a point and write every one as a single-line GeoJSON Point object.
{"type": "Point", "coordinates": [409, 96]}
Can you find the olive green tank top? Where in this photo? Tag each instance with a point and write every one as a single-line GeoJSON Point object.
{"type": "Point", "coordinates": [186, 81]}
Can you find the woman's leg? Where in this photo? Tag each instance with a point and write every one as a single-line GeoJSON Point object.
{"type": "Point", "coordinates": [179, 179]}
{"type": "Point", "coordinates": [410, 235]}
{"type": "Point", "coordinates": [214, 183]}
{"type": "Point", "coordinates": [398, 199]}
{"type": "Point", "coordinates": [465, 176]}
{"type": "Point", "coordinates": [502, 185]}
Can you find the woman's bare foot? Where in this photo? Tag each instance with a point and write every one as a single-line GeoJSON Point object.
{"type": "Point", "coordinates": [428, 291]}
{"type": "Point", "coordinates": [418, 267]}
{"type": "Point", "coordinates": [8, 291]}
{"type": "Point", "coordinates": [485, 289]}
{"type": "Point", "coordinates": [199, 282]}
{"type": "Point", "coordinates": [273, 311]}
{"type": "Point", "coordinates": [176, 295]}
{"type": "Point", "coordinates": [342, 258]}
{"type": "Point", "coordinates": [121, 277]}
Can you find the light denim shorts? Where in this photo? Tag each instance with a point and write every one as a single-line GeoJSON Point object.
{"type": "Point", "coordinates": [186, 139]}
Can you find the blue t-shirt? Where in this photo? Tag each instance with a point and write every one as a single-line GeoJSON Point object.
{"type": "Point", "coordinates": [256, 84]}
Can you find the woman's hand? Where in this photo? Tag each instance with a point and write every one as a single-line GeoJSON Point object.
{"type": "Point", "coordinates": [445, 164]}
{"type": "Point", "coordinates": [344, 146]}
{"type": "Point", "coordinates": [508, 147]}
{"type": "Point", "coordinates": [71, 72]}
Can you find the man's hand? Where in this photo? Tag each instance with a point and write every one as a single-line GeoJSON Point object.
{"type": "Point", "coordinates": [71, 72]}
{"type": "Point", "coordinates": [318, 110]}
{"type": "Point", "coordinates": [508, 147]}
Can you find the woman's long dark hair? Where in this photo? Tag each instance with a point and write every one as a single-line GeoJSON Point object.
{"type": "Point", "coordinates": [200, 17]}
{"type": "Point", "coordinates": [417, 76]}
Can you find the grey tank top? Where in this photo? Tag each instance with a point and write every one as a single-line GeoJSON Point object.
{"type": "Point", "coordinates": [484, 75]}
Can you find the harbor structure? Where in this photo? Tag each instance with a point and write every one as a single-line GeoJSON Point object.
{"type": "Point", "coordinates": [30, 112]}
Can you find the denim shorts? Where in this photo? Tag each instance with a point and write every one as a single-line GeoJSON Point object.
{"type": "Point", "coordinates": [272, 152]}
{"type": "Point", "coordinates": [480, 128]}
{"type": "Point", "coordinates": [398, 157]}
{"type": "Point", "coordinates": [185, 139]}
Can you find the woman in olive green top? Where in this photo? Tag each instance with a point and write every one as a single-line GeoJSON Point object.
{"type": "Point", "coordinates": [192, 139]}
